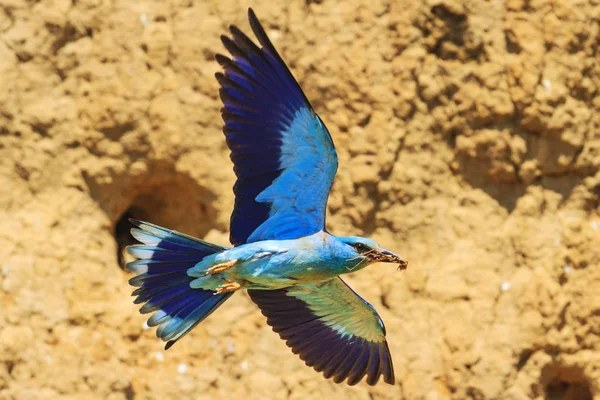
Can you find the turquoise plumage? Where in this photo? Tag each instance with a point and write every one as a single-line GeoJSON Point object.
{"type": "Point", "coordinates": [285, 162]}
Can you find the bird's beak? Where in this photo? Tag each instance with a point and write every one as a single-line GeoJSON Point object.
{"type": "Point", "coordinates": [386, 256]}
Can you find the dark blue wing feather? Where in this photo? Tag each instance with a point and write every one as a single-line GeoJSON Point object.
{"type": "Point", "coordinates": [331, 328]}
{"type": "Point", "coordinates": [283, 155]}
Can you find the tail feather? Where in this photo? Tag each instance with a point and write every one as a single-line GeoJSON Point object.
{"type": "Point", "coordinates": [157, 267]}
{"type": "Point", "coordinates": [158, 295]}
{"type": "Point", "coordinates": [162, 281]}
{"type": "Point", "coordinates": [159, 254]}
{"type": "Point", "coordinates": [153, 235]}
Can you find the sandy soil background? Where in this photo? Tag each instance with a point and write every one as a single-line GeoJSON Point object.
{"type": "Point", "coordinates": [469, 142]}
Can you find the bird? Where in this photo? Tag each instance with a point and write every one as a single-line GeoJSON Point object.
{"type": "Point", "coordinates": [285, 161]}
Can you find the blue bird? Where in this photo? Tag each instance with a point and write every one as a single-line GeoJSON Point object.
{"type": "Point", "coordinates": [285, 162]}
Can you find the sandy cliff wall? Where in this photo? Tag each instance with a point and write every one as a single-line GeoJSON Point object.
{"type": "Point", "coordinates": [469, 142]}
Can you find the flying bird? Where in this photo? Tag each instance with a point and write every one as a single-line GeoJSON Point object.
{"type": "Point", "coordinates": [285, 162]}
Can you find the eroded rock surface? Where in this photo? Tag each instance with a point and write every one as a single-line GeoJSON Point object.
{"type": "Point", "coordinates": [469, 142]}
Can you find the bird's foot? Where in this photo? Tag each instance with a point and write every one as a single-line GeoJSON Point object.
{"type": "Point", "coordinates": [229, 286]}
{"type": "Point", "coordinates": [217, 269]}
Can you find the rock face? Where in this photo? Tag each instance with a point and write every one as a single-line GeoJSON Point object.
{"type": "Point", "coordinates": [469, 142]}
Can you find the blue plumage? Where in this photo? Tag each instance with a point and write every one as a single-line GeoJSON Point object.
{"type": "Point", "coordinates": [285, 162]}
{"type": "Point", "coordinates": [316, 340]}
{"type": "Point", "coordinates": [279, 146]}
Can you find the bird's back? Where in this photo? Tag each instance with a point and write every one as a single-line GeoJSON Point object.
{"type": "Point", "coordinates": [281, 263]}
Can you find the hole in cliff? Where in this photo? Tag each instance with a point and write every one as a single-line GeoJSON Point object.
{"type": "Point", "coordinates": [175, 202]}
{"type": "Point", "coordinates": [565, 383]}
{"type": "Point", "coordinates": [561, 390]}
{"type": "Point", "coordinates": [123, 235]}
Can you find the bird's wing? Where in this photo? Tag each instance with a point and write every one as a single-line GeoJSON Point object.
{"type": "Point", "coordinates": [283, 155]}
{"type": "Point", "coordinates": [331, 328]}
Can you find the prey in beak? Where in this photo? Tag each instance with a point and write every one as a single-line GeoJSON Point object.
{"type": "Point", "coordinates": [382, 255]}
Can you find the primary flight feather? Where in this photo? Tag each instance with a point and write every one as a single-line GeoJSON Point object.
{"type": "Point", "coordinates": [285, 162]}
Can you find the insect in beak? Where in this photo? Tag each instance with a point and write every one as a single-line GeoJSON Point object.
{"type": "Point", "coordinates": [387, 257]}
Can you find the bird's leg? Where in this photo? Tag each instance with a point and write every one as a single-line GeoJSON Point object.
{"type": "Point", "coordinates": [229, 286]}
{"type": "Point", "coordinates": [217, 269]}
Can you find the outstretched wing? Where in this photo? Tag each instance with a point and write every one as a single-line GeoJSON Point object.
{"type": "Point", "coordinates": [283, 155]}
{"type": "Point", "coordinates": [332, 328]}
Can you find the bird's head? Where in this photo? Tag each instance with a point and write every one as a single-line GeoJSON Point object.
{"type": "Point", "coordinates": [366, 251]}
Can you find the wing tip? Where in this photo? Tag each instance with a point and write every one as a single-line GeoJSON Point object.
{"type": "Point", "coordinates": [222, 60]}
{"type": "Point", "coordinates": [259, 31]}
{"type": "Point", "coordinates": [251, 14]}
{"type": "Point", "coordinates": [170, 344]}
{"type": "Point", "coordinates": [387, 366]}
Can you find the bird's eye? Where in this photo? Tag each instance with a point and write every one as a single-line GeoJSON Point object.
{"type": "Point", "coordinates": [361, 248]}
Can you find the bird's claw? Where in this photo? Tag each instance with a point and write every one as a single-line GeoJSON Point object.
{"type": "Point", "coordinates": [217, 269]}
{"type": "Point", "coordinates": [229, 286]}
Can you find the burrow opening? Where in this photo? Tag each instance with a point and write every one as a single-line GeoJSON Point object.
{"type": "Point", "coordinates": [562, 382]}
{"type": "Point", "coordinates": [177, 203]}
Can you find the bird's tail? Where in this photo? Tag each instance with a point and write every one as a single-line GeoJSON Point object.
{"type": "Point", "coordinates": [163, 283]}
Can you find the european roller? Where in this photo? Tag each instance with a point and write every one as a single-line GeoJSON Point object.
{"type": "Point", "coordinates": [285, 162]}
